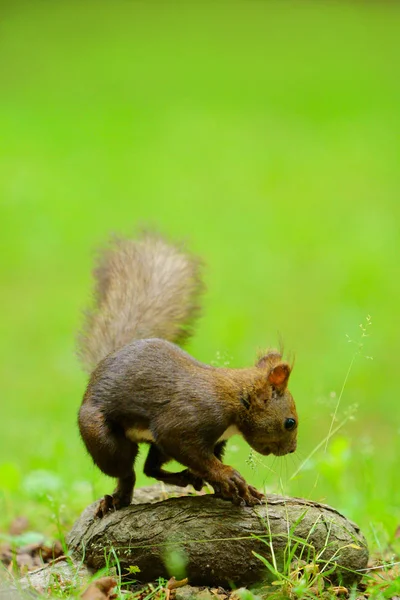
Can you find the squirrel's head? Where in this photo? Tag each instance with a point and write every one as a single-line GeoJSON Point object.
{"type": "Point", "coordinates": [269, 417]}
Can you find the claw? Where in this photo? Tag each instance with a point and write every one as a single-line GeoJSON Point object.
{"type": "Point", "coordinates": [111, 503]}
{"type": "Point", "coordinates": [234, 488]}
{"type": "Point", "coordinates": [105, 505]}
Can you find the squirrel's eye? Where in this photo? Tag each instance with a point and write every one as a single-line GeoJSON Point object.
{"type": "Point", "coordinates": [290, 424]}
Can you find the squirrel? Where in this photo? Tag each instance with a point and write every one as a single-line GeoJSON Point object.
{"type": "Point", "coordinates": [144, 388]}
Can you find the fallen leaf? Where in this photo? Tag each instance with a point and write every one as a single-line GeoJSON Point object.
{"type": "Point", "coordinates": [49, 553]}
{"type": "Point", "coordinates": [219, 593]}
{"type": "Point", "coordinates": [339, 590]}
{"type": "Point", "coordinates": [27, 562]}
{"type": "Point", "coordinates": [5, 553]}
{"type": "Point", "coordinates": [174, 583]}
{"type": "Point", "coordinates": [100, 589]}
{"type": "Point", "coordinates": [18, 526]}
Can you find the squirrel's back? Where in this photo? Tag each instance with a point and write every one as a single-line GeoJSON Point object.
{"type": "Point", "coordinates": [145, 288]}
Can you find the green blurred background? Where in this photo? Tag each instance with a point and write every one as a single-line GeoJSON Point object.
{"type": "Point", "coordinates": [265, 133]}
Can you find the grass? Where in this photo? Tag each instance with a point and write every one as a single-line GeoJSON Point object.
{"type": "Point", "coordinates": [265, 133]}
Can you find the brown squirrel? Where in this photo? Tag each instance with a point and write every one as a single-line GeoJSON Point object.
{"type": "Point", "coordinates": [144, 388]}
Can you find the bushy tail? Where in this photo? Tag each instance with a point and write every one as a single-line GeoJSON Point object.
{"type": "Point", "coordinates": [144, 288]}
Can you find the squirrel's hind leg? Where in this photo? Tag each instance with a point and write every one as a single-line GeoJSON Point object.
{"type": "Point", "coordinates": [113, 453]}
{"type": "Point", "coordinates": [120, 498]}
{"type": "Point", "coordinates": [152, 468]}
{"type": "Point", "coordinates": [219, 450]}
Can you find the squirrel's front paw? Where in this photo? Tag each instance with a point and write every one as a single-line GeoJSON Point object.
{"type": "Point", "coordinates": [235, 488]}
{"type": "Point", "coordinates": [256, 497]}
{"type": "Point", "coordinates": [231, 487]}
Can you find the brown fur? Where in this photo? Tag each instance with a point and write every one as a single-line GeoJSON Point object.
{"type": "Point", "coordinates": [148, 389]}
{"type": "Point", "coordinates": [144, 288]}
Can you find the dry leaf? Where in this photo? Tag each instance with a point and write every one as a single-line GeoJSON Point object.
{"type": "Point", "coordinates": [173, 583]}
{"type": "Point", "coordinates": [27, 562]}
{"type": "Point", "coordinates": [5, 553]}
{"type": "Point", "coordinates": [219, 593]}
{"type": "Point", "coordinates": [339, 590]}
{"type": "Point", "coordinates": [18, 526]}
{"type": "Point", "coordinates": [100, 589]}
{"type": "Point", "coordinates": [49, 553]}
{"type": "Point", "coordinates": [30, 549]}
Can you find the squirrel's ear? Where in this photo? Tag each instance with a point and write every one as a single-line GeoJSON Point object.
{"type": "Point", "coordinates": [269, 360]}
{"type": "Point", "coordinates": [279, 376]}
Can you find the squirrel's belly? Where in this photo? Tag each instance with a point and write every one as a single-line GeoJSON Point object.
{"type": "Point", "coordinates": [144, 435]}
{"type": "Point", "coordinates": [228, 433]}
{"type": "Point", "coordinates": [139, 435]}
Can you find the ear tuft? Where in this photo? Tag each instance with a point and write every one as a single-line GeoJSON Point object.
{"type": "Point", "coordinates": [269, 360]}
{"type": "Point", "coordinates": [279, 376]}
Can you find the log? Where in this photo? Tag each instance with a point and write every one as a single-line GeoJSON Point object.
{"type": "Point", "coordinates": [214, 542]}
